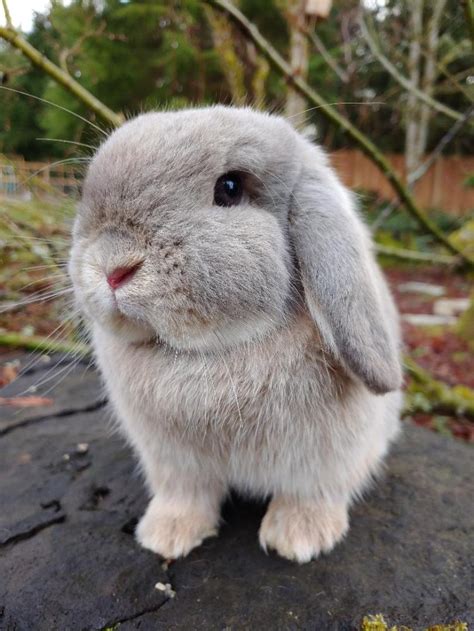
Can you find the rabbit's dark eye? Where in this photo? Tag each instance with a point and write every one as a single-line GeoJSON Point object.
{"type": "Point", "coordinates": [229, 189]}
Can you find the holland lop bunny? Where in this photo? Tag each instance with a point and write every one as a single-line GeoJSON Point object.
{"type": "Point", "coordinates": [244, 331]}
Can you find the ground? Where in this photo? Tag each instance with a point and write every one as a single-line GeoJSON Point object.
{"type": "Point", "coordinates": [71, 495]}
{"type": "Point", "coordinates": [438, 349]}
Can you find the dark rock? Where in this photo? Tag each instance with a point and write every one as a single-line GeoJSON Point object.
{"type": "Point", "coordinates": [69, 560]}
{"type": "Point", "coordinates": [28, 527]}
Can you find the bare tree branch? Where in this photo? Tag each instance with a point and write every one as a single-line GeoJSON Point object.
{"type": "Point", "coordinates": [383, 215]}
{"type": "Point", "coordinates": [403, 81]}
{"type": "Point", "coordinates": [416, 175]}
{"type": "Point", "coordinates": [7, 73]}
{"type": "Point", "coordinates": [8, 17]}
{"type": "Point", "coordinates": [469, 9]}
{"type": "Point", "coordinates": [66, 53]}
{"type": "Point", "coordinates": [63, 78]}
{"type": "Point", "coordinates": [416, 257]}
{"type": "Point", "coordinates": [448, 136]}
{"type": "Point", "coordinates": [442, 87]}
{"type": "Point", "coordinates": [326, 55]}
{"type": "Point", "coordinates": [331, 114]}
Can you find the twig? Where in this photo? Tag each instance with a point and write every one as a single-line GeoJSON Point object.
{"type": "Point", "coordinates": [403, 81]}
{"type": "Point", "coordinates": [63, 78]}
{"type": "Point", "coordinates": [8, 73]}
{"type": "Point", "coordinates": [37, 343]}
{"type": "Point", "coordinates": [383, 215]}
{"type": "Point", "coordinates": [446, 139]}
{"type": "Point", "coordinates": [8, 17]}
{"type": "Point", "coordinates": [66, 53]}
{"type": "Point", "coordinates": [340, 121]}
{"type": "Point", "coordinates": [326, 55]}
{"type": "Point", "coordinates": [469, 9]}
{"type": "Point", "coordinates": [416, 257]}
{"type": "Point", "coordinates": [454, 79]}
{"type": "Point", "coordinates": [413, 177]}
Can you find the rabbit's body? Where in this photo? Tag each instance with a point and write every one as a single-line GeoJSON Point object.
{"type": "Point", "coordinates": [221, 373]}
{"type": "Point", "coordinates": [273, 417]}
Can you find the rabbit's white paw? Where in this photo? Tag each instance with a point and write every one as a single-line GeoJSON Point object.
{"type": "Point", "coordinates": [300, 530]}
{"type": "Point", "coordinates": [173, 532]}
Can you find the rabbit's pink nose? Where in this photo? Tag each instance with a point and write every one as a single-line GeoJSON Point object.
{"type": "Point", "coordinates": [120, 275]}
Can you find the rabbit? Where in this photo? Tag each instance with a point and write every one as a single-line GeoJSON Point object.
{"type": "Point", "coordinates": [245, 334]}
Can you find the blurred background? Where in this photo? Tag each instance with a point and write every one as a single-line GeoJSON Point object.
{"type": "Point", "coordinates": [376, 82]}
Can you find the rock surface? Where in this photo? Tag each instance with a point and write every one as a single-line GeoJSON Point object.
{"type": "Point", "coordinates": [68, 560]}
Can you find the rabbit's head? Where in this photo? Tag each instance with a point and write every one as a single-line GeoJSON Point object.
{"type": "Point", "coordinates": [203, 228]}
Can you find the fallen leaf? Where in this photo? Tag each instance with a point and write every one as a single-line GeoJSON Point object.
{"type": "Point", "coordinates": [26, 402]}
{"type": "Point", "coordinates": [8, 373]}
{"type": "Point", "coordinates": [24, 458]}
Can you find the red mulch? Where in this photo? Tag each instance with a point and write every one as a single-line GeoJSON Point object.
{"type": "Point", "coordinates": [440, 351]}
{"type": "Point", "coordinates": [460, 427]}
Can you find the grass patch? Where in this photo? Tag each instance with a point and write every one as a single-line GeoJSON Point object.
{"type": "Point", "coordinates": [34, 245]}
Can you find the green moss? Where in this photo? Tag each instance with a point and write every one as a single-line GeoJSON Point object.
{"type": "Point", "coordinates": [465, 325]}
{"type": "Point", "coordinates": [425, 394]}
{"type": "Point", "coordinates": [464, 237]}
{"type": "Point", "coordinates": [377, 623]}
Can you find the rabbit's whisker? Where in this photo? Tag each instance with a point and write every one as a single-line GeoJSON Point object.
{"type": "Point", "coordinates": [43, 280]}
{"type": "Point", "coordinates": [76, 160]}
{"type": "Point", "coordinates": [53, 336]}
{"type": "Point", "coordinates": [51, 266]}
{"type": "Point", "coordinates": [69, 142]}
{"type": "Point", "coordinates": [318, 107]}
{"type": "Point", "coordinates": [44, 297]}
{"type": "Point", "coordinates": [59, 107]}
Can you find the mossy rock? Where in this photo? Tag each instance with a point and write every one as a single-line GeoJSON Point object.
{"type": "Point", "coordinates": [465, 326]}
{"type": "Point", "coordinates": [69, 559]}
{"type": "Point", "coordinates": [378, 623]}
{"type": "Point", "coordinates": [464, 238]}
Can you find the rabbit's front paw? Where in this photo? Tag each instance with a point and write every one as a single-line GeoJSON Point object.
{"type": "Point", "coordinates": [173, 532]}
{"type": "Point", "coordinates": [300, 530]}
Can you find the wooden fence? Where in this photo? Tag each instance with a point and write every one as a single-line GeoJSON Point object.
{"type": "Point", "coordinates": [21, 178]}
{"type": "Point", "coordinates": [442, 187]}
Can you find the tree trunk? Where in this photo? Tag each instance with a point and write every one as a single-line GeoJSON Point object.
{"type": "Point", "coordinates": [430, 72]}
{"type": "Point", "coordinates": [412, 156]}
{"type": "Point", "coordinates": [297, 18]}
{"type": "Point", "coordinates": [423, 74]}
{"type": "Point", "coordinates": [232, 66]}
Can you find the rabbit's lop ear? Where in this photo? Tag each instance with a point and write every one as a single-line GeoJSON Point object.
{"type": "Point", "coordinates": [344, 291]}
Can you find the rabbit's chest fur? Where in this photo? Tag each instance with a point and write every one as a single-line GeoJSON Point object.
{"type": "Point", "coordinates": [281, 400]}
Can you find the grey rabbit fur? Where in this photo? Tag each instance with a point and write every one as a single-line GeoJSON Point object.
{"type": "Point", "coordinates": [252, 345]}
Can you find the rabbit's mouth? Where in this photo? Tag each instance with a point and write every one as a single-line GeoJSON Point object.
{"type": "Point", "coordinates": [128, 326]}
